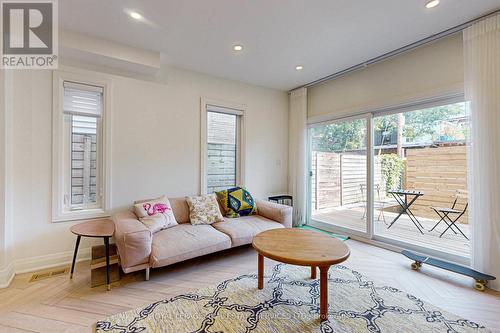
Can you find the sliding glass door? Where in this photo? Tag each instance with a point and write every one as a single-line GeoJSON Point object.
{"type": "Point", "coordinates": [397, 177]}
{"type": "Point", "coordinates": [338, 175]}
{"type": "Point", "coordinates": [421, 198]}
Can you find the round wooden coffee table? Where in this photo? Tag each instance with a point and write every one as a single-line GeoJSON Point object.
{"type": "Point", "coordinates": [303, 248]}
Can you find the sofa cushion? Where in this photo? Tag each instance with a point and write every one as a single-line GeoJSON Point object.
{"type": "Point", "coordinates": [204, 209]}
{"type": "Point", "coordinates": [152, 206]}
{"type": "Point", "coordinates": [155, 214]}
{"type": "Point", "coordinates": [242, 230]}
{"type": "Point", "coordinates": [186, 241]}
{"type": "Point", "coordinates": [158, 221]}
{"type": "Point", "coordinates": [237, 202]}
{"type": "Point", "coordinates": [181, 209]}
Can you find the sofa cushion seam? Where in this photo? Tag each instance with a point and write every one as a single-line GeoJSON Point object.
{"type": "Point", "coordinates": [206, 247]}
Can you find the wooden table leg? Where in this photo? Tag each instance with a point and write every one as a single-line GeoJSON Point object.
{"type": "Point", "coordinates": [261, 272]}
{"type": "Point", "coordinates": [323, 292]}
{"type": "Point", "coordinates": [106, 245]}
{"type": "Point", "coordinates": [74, 256]}
{"type": "Point", "coordinates": [313, 272]}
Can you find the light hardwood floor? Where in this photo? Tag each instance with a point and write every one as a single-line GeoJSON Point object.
{"type": "Point", "coordinates": [60, 305]}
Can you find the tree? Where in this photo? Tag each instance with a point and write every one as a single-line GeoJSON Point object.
{"type": "Point", "coordinates": [339, 137]}
{"type": "Point", "coordinates": [420, 125]}
{"type": "Point", "coordinates": [423, 123]}
{"type": "Point", "coordinates": [400, 128]}
{"type": "Point", "coordinates": [415, 126]}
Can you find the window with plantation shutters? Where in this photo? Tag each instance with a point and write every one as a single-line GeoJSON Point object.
{"type": "Point", "coordinates": [82, 109]}
{"type": "Point", "coordinates": [82, 99]}
{"type": "Point", "coordinates": [81, 143]}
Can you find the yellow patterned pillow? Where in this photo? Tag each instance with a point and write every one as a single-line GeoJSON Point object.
{"type": "Point", "coordinates": [237, 202]}
{"type": "Point", "coordinates": [204, 209]}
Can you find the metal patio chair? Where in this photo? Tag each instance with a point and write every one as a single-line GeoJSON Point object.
{"type": "Point", "coordinates": [379, 204]}
{"type": "Point", "coordinates": [451, 223]}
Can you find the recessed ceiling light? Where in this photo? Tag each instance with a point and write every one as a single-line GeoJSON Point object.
{"type": "Point", "coordinates": [432, 3]}
{"type": "Point", "coordinates": [135, 15]}
{"type": "Point", "coordinates": [299, 67]}
{"type": "Point", "coordinates": [238, 47]}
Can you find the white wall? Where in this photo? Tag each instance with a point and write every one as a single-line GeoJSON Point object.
{"type": "Point", "coordinates": [2, 171]}
{"type": "Point", "coordinates": [430, 71]}
{"type": "Point", "coordinates": [155, 149]}
{"type": "Point", "coordinates": [6, 267]}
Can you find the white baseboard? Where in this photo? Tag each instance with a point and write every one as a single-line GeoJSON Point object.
{"type": "Point", "coordinates": [32, 264]}
{"type": "Point", "coordinates": [6, 275]}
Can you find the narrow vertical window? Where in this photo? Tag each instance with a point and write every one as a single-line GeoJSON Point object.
{"type": "Point", "coordinates": [81, 150]}
{"type": "Point", "coordinates": [82, 117]}
{"type": "Point", "coordinates": [223, 148]}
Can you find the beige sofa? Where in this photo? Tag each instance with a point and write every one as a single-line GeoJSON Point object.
{"type": "Point", "coordinates": [140, 249]}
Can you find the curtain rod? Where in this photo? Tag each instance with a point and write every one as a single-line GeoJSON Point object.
{"type": "Point", "coordinates": [404, 49]}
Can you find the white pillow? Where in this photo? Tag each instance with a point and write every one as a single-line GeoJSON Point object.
{"type": "Point", "coordinates": [155, 214]}
{"type": "Point", "coordinates": [157, 222]}
{"type": "Point", "coordinates": [204, 209]}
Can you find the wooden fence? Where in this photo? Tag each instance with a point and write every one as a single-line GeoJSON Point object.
{"type": "Point", "coordinates": [339, 179]}
{"type": "Point", "coordinates": [83, 168]}
{"type": "Point", "coordinates": [325, 182]}
{"type": "Point", "coordinates": [440, 173]}
{"type": "Point", "coordinates": [222, 151]}
{"type": "Point", "coordinates": [221, 173]}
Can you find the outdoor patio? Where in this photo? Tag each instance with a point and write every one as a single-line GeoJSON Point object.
{"type": "Point", "coordinates": [403, 230]}
{"type": "Point", "coordinates": [426, 177]}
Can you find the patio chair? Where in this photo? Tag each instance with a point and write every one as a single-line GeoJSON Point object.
{"type": "Point", "coordinates": [451, 223]}
{"type": "Point", "coordinates": [379, 204]}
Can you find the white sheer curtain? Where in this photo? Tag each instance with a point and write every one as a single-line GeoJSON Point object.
{"type": "Point", "coordinates": [482, 89]}
{"type": "Point", "coordinates": [297, 153]}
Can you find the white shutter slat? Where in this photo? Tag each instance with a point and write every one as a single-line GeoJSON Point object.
{"type": "Point", "coordinates": [220, 109]}
{"type": "Point", "coordinates": [82, 100]}
{"type": "Point", "coordinates": [82, 86]}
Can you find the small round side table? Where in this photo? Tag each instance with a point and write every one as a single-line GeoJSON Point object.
{"type": "Point", "coordinates": [103, 228]}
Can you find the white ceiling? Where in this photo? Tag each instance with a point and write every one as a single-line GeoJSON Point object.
{"type": "Point", "coordinates": [324, 36]}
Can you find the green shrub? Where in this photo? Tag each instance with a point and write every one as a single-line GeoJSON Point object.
{"type": "Point", "coordinates": [392, 171]}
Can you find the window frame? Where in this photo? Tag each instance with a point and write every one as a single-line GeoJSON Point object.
{"type": "Point", "coordinates": [61, 161]}
{"type": "Point", "coordinates": [233, 109]}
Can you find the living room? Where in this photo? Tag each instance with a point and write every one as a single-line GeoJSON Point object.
{"type": "Point", "coordinates": [265, 166]}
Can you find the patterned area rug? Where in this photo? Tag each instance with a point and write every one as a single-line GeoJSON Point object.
{"type": "Point", "coordinates": [289, 303]}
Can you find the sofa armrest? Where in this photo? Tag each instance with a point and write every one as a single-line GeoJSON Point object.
{"type": "Point", "coordinates": [133, 239]}
{"type": "Point", "coordinates": [276, 212]}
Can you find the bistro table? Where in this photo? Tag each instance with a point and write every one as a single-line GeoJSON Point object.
{"type": "Point", "coordinates": [405, 199]}
{"type": "Point", "coordinates": [103, 228]}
